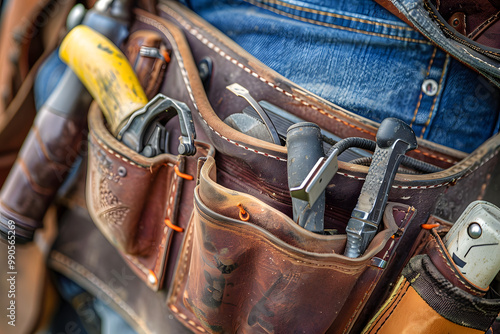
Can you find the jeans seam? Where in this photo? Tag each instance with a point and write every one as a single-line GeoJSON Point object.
{"type": "Point", "coordinates": [421, 92]}
{"type": "Point", "coordinates": [330, 25]}
{"type": "Point", "coordinates": [440, 88]}
{"type": "Point", "coordinates": [345, 17]}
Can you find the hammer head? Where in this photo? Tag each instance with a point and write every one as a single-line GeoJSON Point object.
{"type": "Point", "coordinates": [392, 130]}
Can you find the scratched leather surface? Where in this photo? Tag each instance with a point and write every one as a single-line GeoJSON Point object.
{"type": "Point", "coordinates": [266, 274]}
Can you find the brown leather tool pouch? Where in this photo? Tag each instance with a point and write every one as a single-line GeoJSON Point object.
{"type": "Point", "coordinates": [432, 296]}
{"type": "Point", "coordinates": [246, 267]}
{"type": "Point", "coordinates": [134, 200]}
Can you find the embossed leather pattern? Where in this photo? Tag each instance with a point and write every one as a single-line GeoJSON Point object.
{"type": "Point", "coordinates": [129, 197]}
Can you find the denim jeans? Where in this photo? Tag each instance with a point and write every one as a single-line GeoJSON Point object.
{"type": "Point", "coordinates": [358, 55]}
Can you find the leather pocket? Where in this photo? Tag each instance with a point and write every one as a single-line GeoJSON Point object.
{"type": "Point", "coordinates": [130, 198]}
{"type": "Point", "coordinates": [432, 296]}
{"type": "Point", "coordinates": [264, 273]}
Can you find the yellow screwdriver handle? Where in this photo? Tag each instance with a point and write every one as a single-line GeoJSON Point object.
{"type": "Point", "coordinates": [105, 72]}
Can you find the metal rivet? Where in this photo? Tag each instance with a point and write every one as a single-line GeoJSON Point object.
{"type": "Point", "coordinates": [430, 87]}
{"type": "Point", "coordinates": [152, 278]}
{"type": "Point", "coordinates": [205, 70]}
{"type": "Point", "coordinates": [122, 171]}
{"type": "Point", "coordinates": [474, 230]}
{"type": "Point", "coordinates": [455, 22]}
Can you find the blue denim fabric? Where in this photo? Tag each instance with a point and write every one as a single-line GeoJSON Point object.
{"type": "Point", "coordinates": [358, 55]}
{"type": "Point", "coordinates": [48, 77]}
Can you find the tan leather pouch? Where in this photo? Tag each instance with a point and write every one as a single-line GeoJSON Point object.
{"type": "Point", "coordinates": [432, 296]}
{"type": "Point", "coordinates": [246, 267]}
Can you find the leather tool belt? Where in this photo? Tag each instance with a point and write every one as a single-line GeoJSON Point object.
{"type": "Point", "coordinates": [206, 243]}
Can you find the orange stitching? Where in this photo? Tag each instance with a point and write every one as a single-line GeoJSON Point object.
{"type": "Point", "coordinates": [300, 18]}
{"type": "Point", "coordinates": [166, 56]}
{"type": "Point", "coordinates": [182, 175]}
{"type": "Point", "coordinates": [172, 226]}
{"type": "Point", "coordinates": [447, 262]}
{"type": "Point", "coordinates": [351, 18]}
{"type": "Point", "coordinates": [429, 226]}
{"type": "Point", "coordinates": [435, 98]}
{"type": "Point", "coordinates": [421, 92]}
{"type": "Point", "coordinates": [245, 216]}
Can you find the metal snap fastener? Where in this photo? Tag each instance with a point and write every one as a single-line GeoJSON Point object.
{"type": "Point", "coordinates": [430, 87]}
{"type": "Point", "coordinates": [122, 171]}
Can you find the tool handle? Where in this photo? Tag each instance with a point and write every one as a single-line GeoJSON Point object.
{"type": "Point", "coordinates": [105, 72]}
{"type": "Point", "coordinates": [45, 158]}
{"type": "Point", "coordinates": [305, 147]}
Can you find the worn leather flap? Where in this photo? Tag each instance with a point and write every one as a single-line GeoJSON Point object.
{"type": "Point", "coordinates": [264, 273]}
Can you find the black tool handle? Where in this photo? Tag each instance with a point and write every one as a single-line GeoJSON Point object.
{"type": "Point", "coordinates": [305, 147]}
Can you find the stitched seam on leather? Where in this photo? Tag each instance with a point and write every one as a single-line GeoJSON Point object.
{"type": "Point", "coordinates": [183, 273]}
{"type": "Point", "coordinates": [394, 308]}
{"type": "Point", "coordinates": [483, 25]}
{"type": "Point", "coordinates": [330, 25]}
{"type": "Point", "coordinates": [421, 92]}
{"type": "Point", "coordinates": [346, 17]}
{"type": "Point", "coordinates": [72, 265]}
{"type": "Point", "coordinates": [440, 88]}
{"type": "Point", "coordinates": [172, 195]}
{"type": "Point", "coordinates": [212, 46]}
{"type": "Point", "coordinates": [255, 74]}
{"type": "Point", "coordinates": [107, 148]}
{"type": "Point", "coordinates": [491, 156]}
{"type": "Point", "coordinates": [190, 92]}
{"type": "Point", "coordinates": [355, 313]}
{"type": "Point", "coordinates": [440, 251]}
{"type": "Point", "coordinates": [450, 34]}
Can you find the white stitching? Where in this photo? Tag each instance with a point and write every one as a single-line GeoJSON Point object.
{"type": "Point", "coordinates": [190, 92]}
{"type": "Point", "coordinates": [200, 37]}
